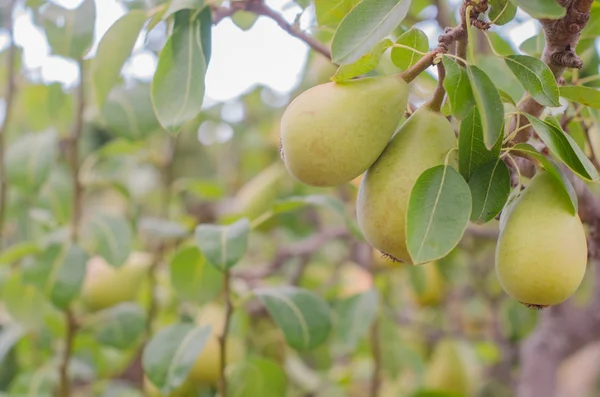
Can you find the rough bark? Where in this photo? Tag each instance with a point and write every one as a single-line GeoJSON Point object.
{"type": "Point", "coordinates": [562, 37]}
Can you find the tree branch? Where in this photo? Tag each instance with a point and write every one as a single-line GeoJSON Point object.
{"type": "Point", "coordinates": [8, 102]}
{"type": "Point", "coordinates": [73, 159]}
{"type": "Point", "coordinates": [259, 8]}
{"type": "Point", "coordinates": [562, 37]}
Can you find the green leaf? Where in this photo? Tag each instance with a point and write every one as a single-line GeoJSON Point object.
{"type": "Point", "coordinates": [553, 169]}
{"type": "Point", "coordinates": [16, 252]}
{"type": "Point", "coordinates": [534, 46]}
{"type": "Point", "coordinates": [24, 302]}
{"type": "Point", "coordinates": [364, 65]}
{"type": "Point", "coordinates": [178, 5]}
{"type": "Point", "coordinates": [506, 98]}
{"type": "Point", "coordinates": [490, 187]}
{"type": "Point", "coordinates": [502, 11]}
{"type": "Point", "coordinates": [540, 9]}
{"type": "Point", "coordinates": [438, 213]}
{"type": "Point", "coordinates": [178, 84]}
{"type": "Point", "coordinates": [415, 38]}
{"type": "Point", "coordinates": [225, 245]}
{"type": "Point", "coordinates": [120, 326]}
{"type": "Point", "coordinates": [109, 236]}
{"type": "Point", "coordinates": [331, 12]}
{"type": "Point", "coordinates": [584, 95]}
{"type": "Point", "coordinates": [59, 273]}
{"type": "Point", "coordinates": [162, 229]}
{"type": "Point", "coordinates": [57, 195]}
{"type": "Point", "coordinates": [169, 356]}
{"type": "Point", "coordinates": [206, 24]}
{"type": "Point", "coordinates": [592, 29]}
{"type": "Point", "coordinates": [128, 112]}
{"type": "Point", "coordinates": [303, 317]}
{"type": "Point", "coordinates": [366, 25]}
{"type": "Point", "coordinates": [192, 278]}
{"type": "Point", "coordinates": [565, 148]}
{"type": "Point", "coordinates": [489, 104]}
{"type": "Point", "coordinates": [257, 377]}
{"type": "Point", "coordinates": [458, 87]}
{"type": "Point", "coordinates": [113, 50]}
{"type": "Point", "coordinates": [536, 77]}
{"type": "Point", "coordinates": [355, 315]}
{"type": "Point", "coordinates": [472, 152]}
{"type": "Point", "coordinates": [9, 336]}
{"type": "Point", "coordinates": [29, 160]}
{"type": "Point", "coordinates": [70, 33]}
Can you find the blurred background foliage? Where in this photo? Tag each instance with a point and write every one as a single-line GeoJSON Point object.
{"type": "Point", "coordinates": [446, 326]}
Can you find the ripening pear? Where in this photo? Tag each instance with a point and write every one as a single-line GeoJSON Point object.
{"type": "Point", "coordinates": [152, 391]}
{"type": "Point", "coordinates": [333, 132]}
{"type": "Point", "coordinates": [453, 368]}
{"type": "Point", "coordinates": [434, 287]}
{"type": "Point", "coordinates": [422, 142]}
{"type": "Point", "coordinates": [105, 286]}
{"type": "Point", "coordinates": [257, 195]}
{"type": "Point", "coordinates": [206, 369]}
{"type": "Point", "coordinates": [541, 255]}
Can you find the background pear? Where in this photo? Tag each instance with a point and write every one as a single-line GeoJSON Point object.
{"type": "Point", "coordinates": [433, 289]}
{"type": "Point", "coordinates": [453, 368]}
{"type": "Point", "coordinates": [541, 254]}
{"type": "Point", "coordinates": [105, 286]}
{"type": "Point", "coordinates": [333, 132]}
{"type": "Point", "coordinates": [207, 367]}
{"type": "Point", "coordinates": [421, 143]}
{"type": "Point", "coordinates": [257, 195]}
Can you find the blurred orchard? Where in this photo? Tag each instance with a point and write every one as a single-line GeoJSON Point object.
{"type": "Point", "coordinates": [146, 233]}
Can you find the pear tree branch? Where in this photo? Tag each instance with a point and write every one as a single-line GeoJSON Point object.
{"type": "Point", "coordinates": [8, 101]}
{"type": "Point", "coordinates": [562, 37]}
{"type": "Point", "coordinates": [259, 8]}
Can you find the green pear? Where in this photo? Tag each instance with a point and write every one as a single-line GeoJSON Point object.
{"type": "Point", "coordinates": [257, 195]}
{"type": "Point", "coordinates": [105, 286]}
{"type": "Point", "coordinates": [541, 255]}
{"type": "Point", "coordinates": [333, 132]}
{"type": "Point", "coordinates": [453, 368]}
{"type": "Point", "coordinates": [422, 142]}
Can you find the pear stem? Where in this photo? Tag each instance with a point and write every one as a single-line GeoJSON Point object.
{"type": "Point", "coordinates": [436, 102]}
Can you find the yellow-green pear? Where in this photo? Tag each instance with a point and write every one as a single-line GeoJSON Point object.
{"type": "Point", "coordinates": [453, 368]}
{"type": "Point", "coordinates": [106, 286]}
{"type": "Point", "coordinates": [422, 142]}
{"type": "Point", "coordinates": [541, 255]}
{"type": "Point", "coordinates": [206, 369]}
{"type": "Point", "coordinates": [333, 132]}
{"type": "Point", "coordinates": [258, 194]}
{"type": "Point", "coordinates": [434, 286]}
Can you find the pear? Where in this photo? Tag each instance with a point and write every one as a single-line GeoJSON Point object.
{"type": "Point", "coordinates": [105, 286]}
{"type": "Point", "coordinates": [207, 367]}
{"type": "Point", "coordinates": [333, 132]}
{"type": "Point", "coordinates": [541, 255]}
{"type": "Point", "coordinates": [453, 368]}
{"type": "Point", "coordinates": [422, 142]}
{"type": "Point", "coordinates": [434, 286]}
{"type": "Point", "coordinates": [257, 195]}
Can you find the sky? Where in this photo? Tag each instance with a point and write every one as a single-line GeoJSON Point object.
{"type": "Point", "coordinates": [240, 59]}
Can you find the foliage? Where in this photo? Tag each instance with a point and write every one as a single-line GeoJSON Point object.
{"type": "Point", "coordinates": [113, 170]}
